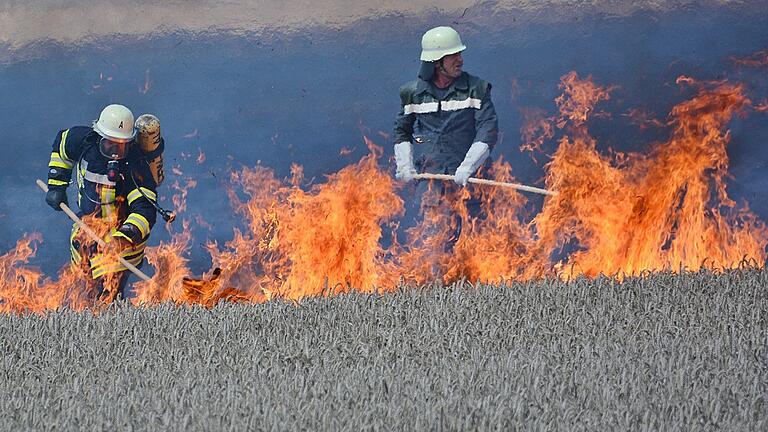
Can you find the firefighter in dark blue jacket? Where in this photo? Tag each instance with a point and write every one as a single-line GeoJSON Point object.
{"type": "Point", "coordinates": [447, 122]}
{"type": "Point", "coordinates": [114, 182]}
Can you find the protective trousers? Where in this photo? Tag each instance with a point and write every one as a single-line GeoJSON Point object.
{"type": "Point", "coordinates": [431, 205]}
{"type": "Point", "coordinates": [103, 278]}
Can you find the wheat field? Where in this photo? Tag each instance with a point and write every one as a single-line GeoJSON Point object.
{"type": "Point", "coordinates": [660, 352]}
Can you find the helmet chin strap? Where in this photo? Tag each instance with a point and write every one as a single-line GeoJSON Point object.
{"type": "Point", "coordinates": [442, 78]}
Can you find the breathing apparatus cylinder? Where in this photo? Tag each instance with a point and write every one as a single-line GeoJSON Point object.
{"type": "Point", "coordinates": [152, 144]}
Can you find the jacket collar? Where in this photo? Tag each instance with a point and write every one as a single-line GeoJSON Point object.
{"type": "Point", "coordinates": [461, 83]}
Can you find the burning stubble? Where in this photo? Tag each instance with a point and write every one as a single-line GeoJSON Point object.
{"type": "Point", "coordinates": [618, 214]}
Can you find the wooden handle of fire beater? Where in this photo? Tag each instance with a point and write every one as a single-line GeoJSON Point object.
{"type": "Point", "coordinates": [93, 235]}
{"type": "Point", "coordinates": [523, 188]}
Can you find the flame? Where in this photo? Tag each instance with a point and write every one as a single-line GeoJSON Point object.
{"type": "Point", "coordinates": [665, 210]}
{"type": "Point", "coordinates": [321, 241]}
{"type": "Point", "coordinates": [757, 59]}
{"type": "Point", "coordinates": [618, 214]}
{"type": "Point", "coordinates": [536, 129]}
{"type": "Point", "coordinates": [643, 119]}
{"type": "Point", "coordinates": [171, 266]}
{"type": "Point", "coordinates": [24, 289]}
{"type": "Point", "coordinates": [169, 260]}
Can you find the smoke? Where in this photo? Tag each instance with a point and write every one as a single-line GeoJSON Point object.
{"type": "Point", "coordinates": [296, 83]}
{"type": "Point", "coordinates": [71, 21]}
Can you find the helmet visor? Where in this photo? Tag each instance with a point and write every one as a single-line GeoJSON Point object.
{"type": "Point", "coordinates": [115, 150]}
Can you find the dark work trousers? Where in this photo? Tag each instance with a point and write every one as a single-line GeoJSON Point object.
{"type": "Point", "coordinates": [423, 197]}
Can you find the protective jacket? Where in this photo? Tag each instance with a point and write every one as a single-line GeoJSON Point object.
{"type": "Point", "coordinates": [443, 123]}
{"type": "Point", "coordinates": [124, 199]}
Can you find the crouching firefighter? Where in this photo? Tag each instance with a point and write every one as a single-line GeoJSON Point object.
{"type": "Point", "coordinates": [117, 181]}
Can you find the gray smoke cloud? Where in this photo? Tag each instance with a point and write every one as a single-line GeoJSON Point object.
{"type": "Point", "coordinates": [68, 21]}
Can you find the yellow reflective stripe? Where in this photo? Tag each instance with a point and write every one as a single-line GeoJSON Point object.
{"type": "Point", "coordinates": [63, 145]}
{"type": "Point", "coordinates": [139, 222]}
{"type": "Point", "coordinates": [98, 270]}
{"type": "Point", "coordinates": [74, 253]}
{"type": "Point", "coordinates": [59, 164]}
{"type": "Point", "coordinates": [133, 196]}
{"type": "Point", "coordinates": [127, 253]}
{"type": "Point", "coordinates": [107, 199]}
{"type": "Point", "coordinates": [121, 234]}
{"type": "Point", "coordinates": [133, 249]}
{"type": "Point", "coordinates": [80, 175]}
{"type": "Point", "coordinates": [136, 194]}
{"type": "Point", "coordinates": [57, 161]}
{"type": "Point", "coordinates": [101, 266]}
{"type": "Point", "coordinates": [151, 195]}
{"type": "Point", "coordinates": [54, 182]}
{"type": "Point", "coordinates": [96, 260]}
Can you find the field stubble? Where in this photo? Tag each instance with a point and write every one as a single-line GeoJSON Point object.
{"type": "Point", "coordinates": [665, 352]}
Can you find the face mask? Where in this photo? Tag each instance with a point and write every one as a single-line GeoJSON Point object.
{"type": "Point", "coordinates": [113, 149]}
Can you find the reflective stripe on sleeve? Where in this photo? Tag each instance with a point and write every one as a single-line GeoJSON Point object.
{"type": "Point", "coordinates": [128, 253]}
{"type": "Point", "coordinates": [63, 145]}
{"type": "Point", "coordinates": [136, 194]}
{"type": "Point", "coordinates": [58, 162]}
{"type": "Point", "coordinates": [139, 222]}
{"type": "Point", "coordinates": [54, 182]}
{"type": "Point", "coordinates": [100, 266]}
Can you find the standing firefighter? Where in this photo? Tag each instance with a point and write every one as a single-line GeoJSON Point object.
{"type": "Point", "coordinates": [447, 123]}
{"type": "Point", "coordinates": [116, 182]}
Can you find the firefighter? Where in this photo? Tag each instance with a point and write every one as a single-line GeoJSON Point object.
{"type": "Point", "coordinates": [447, 122]}
{"type": "Point", "coordinates": [115, 183]}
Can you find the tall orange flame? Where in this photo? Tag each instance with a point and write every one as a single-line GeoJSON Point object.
{"type": "Point", "coordinates": [615, 213]}
{"type": "Point", "coordinates": [666, 210]}
{"type": "Point", "coordinates": [324, 240]}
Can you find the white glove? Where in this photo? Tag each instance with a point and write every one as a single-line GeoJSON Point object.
{"type": "Point", "coordinates": [404, 159]}
{"type": "Point", "coordinates": [474, 158]}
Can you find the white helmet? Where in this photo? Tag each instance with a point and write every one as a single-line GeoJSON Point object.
{"type": "Point", "coordinates": [440, 42]}
{"type": "Point", "coordinates": [115, 123]}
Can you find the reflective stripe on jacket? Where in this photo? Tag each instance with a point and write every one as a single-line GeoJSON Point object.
{"type": "Point", "coordinates": [442, 130]}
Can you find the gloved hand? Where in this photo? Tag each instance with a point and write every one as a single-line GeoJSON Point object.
{"type": "Point", "coordinates": [404, 160]}
{"type": "Point", "coordinates": [128, 233]}
{"type": "Point", "coordinates": [56, 196]}
{"type": "Point", "coordinates": [476, 154]}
